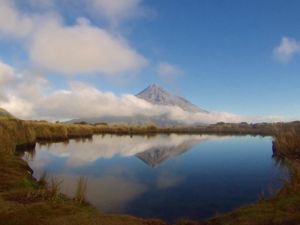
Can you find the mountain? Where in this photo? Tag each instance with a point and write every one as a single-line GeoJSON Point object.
{"type": "Point", "coordinates": [156, 95]}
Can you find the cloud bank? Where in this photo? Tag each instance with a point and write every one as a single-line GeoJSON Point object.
{"type": "Point", "coordinates": [33, 97]}
{"type": "Point", "coordinates": [83, 48]}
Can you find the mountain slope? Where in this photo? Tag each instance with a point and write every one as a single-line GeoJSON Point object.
{"type": "Point", "coordinates": [156, 95]}
{"type": "Point", "coordinates": [5, 115]}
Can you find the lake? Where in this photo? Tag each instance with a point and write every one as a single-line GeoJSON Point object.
{"type": "Point", "coordinates": [163, 176]}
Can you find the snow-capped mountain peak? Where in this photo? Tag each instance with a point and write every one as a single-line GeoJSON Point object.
{"type": "Point", "coordinates": [157, 95]}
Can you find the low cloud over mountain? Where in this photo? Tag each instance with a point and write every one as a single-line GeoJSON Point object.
{"type": "Point", "coordinates": [33, 97]}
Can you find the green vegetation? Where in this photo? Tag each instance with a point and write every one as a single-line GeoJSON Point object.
{"type": "Point", "coordinates": [23, 200]}
{"type": "Point", "coordinates": [5, 115]}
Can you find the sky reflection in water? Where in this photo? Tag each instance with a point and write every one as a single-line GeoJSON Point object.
{"type": "Point", "coordinates": [164, 176]}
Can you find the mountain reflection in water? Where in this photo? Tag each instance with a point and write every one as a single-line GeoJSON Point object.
{"type": "Point", "coordinates": [164, 176]}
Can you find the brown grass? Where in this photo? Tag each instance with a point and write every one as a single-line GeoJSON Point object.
{"type": "Point", "coordinates": [53, 188]}
{"type": "Point", "coordinates": [80, 195]}
{"type": "Point", "coordinates": [287, 144]}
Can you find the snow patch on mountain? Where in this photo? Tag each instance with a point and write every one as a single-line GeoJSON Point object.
{"type": "Point", "coordinates": [158, 96]}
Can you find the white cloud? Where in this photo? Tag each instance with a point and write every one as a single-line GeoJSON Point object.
{"type": "Point", "coordinates": [287, 49]}
{"type": "Point", "coordinates": [13, 23]}
{"type": "Point", "coordinates": [168, 72]}
{"type": "Point", "coordinates": [7, 73]}
{"type": "Point", "coordinates": [19, 93]}
{"type": "Point", "coordinates": [25, 97]}
{"type": "Point", "coordinates": [83, 48]}
{"type": "Point", "coordinates": [68, 49]}
{"type": "Point", "coordinates": [117, 10]}
{"type": "Point", "coordinates": [69, 104]}
{"type": "Point", "coordinates": [7, 76]}
{"type": "Point", "coordinates": [18, 106]}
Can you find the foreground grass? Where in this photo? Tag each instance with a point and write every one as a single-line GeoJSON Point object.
{"type": "Point", "coordinates": [61, 211]}
{"type": "Point", "coordinates": [23, 200]}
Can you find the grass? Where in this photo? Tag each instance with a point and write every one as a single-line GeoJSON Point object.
{"type": "Point", "coordinates": [287, 143]}
{"type": "Point", "coordinates": [5, 115]}
{"type": "Point", "coordinates": [81, 190]}
{"type": "Point", "coordinates": [53, 188]}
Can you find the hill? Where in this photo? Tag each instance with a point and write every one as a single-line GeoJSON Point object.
{"type": "Point", "coordinates": [5, 115]}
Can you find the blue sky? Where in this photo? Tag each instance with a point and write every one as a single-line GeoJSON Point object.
{"type": "Point", "coordinates": [221, 55]}
{"type": "Point", "coordinates": [225, 49]}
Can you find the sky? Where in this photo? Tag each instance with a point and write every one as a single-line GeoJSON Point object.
{"type": "Point", "coordinates": [236, 56]}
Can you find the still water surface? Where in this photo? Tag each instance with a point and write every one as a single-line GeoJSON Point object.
{"type": "Point", "coordinates": [164, 176]}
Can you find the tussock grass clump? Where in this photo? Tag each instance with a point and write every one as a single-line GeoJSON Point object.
{"type": "Point", "coordinates": [15, 133]}
{"type": "Point", "coordinates": [128, 129]}
{"type": "Point", "coordinates": [79, 130]}
{"type": "Point", "coordinates": [14, 172]}
{"type": "Point", "coordinates": [46, 131]}
{"type": "Point", "coordinates": [53, 188]}
{"type": "Point", "coordinates": [240, 128]}
{"type": "Point", "coordinates": [286, 144]}
{"type": "Point", "coordinates": [80, 195]}
{"type": "Point", "coordinates": [291, 183]}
